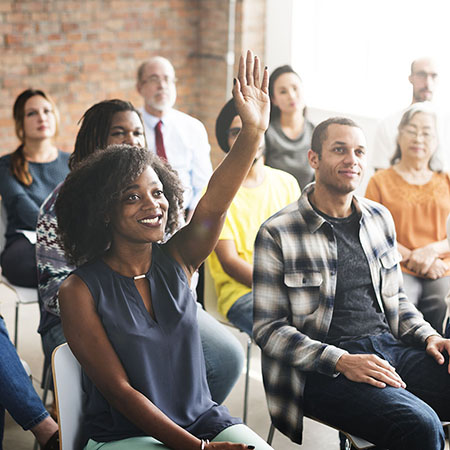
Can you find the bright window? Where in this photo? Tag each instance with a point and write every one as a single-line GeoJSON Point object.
{"type": "Point", "coordinates": [354, 56]}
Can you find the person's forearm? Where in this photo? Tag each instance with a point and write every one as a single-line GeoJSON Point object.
{"type": "Point", "coordinates": [239, 270]}
{"type": "Point", "coordinates": [404, 251]}
{"type": "Point", "coordinates": [440, 247]}
{"type": "Point", "coordinates": [231, 172]}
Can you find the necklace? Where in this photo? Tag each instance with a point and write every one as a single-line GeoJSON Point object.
{"type": "Point", "coordinates": [139, 277]}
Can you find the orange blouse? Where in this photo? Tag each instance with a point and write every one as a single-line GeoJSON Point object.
{"type": "Point", "coordinates": [419, 211]}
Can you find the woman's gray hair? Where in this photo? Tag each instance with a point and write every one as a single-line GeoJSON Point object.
{"type": "Point", "coordinates": [435, 164]}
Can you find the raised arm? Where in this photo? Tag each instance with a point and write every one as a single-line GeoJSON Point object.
{"type": "Point", "coordinates": [192, 244]}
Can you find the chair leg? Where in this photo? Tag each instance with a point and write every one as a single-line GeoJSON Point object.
{"type": "Point", "coordinates": [271, 433]}
{"type": "Point", "coordinates": [16, 332]}
{"type": "Point", "coordinates": [247, 379]}
{"type": "Point", "coordinates": [47, 379]}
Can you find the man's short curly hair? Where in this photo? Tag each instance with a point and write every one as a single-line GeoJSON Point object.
{"type": "Point", "coordinates": [91, 192]}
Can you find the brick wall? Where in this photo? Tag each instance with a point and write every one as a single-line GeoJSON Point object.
{"type": "Point", "coordinates": [81, 52]}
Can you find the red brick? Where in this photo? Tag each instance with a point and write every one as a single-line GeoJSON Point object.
{"type": "Point", "coordinates": [13, 40]}
{"type": "Point", "coordinates": [65, 27]}
{"type": "Point", "coordinates": [83, 52]}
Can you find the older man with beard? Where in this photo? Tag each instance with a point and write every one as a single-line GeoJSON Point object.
{"type": "Point", "coordinates": [175, 136]}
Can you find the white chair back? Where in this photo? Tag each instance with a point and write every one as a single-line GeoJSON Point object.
{"type": "Point", "coordinates": [69, 397]}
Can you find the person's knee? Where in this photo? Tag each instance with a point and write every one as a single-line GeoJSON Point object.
{"type": "Point", "coordinates": [425, 432]}
{"type": "Point", "coordinates": [223, 367]}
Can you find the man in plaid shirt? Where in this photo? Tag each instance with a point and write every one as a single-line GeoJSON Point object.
{"type": "Point", "coordinates": [340, 341]}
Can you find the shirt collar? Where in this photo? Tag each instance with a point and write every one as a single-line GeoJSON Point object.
{"type": "Point", "coordinates": [152, 120]}
{"type": "Point", "coordinates": [313, 220]}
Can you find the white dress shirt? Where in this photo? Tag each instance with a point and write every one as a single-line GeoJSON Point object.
{"type": "Point", "coordinates": [187, 149]}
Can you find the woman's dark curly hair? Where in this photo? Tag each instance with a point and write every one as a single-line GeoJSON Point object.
{"type": "Point", "coordinates": [91, 191]}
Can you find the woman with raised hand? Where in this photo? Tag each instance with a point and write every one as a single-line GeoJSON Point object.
{"type": "Point", "coordinates": [128, 312]}
{"type": "Point", "coordinates": [27, 176]}
{"type": "Point", "coordinates": [288, 137]}
{"type": "Point", "coordinates": [105, 123]}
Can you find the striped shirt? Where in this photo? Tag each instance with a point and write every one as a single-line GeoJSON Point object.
{"type": "Point", "coordinates": [294, 286]}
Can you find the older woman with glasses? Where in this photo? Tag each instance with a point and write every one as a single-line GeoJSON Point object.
{"type": "Point", "coordinates": [417, 193]}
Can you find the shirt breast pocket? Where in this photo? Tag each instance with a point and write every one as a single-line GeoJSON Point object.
{"type": "Point", "coordinates": [389, 273]}
{"type": "Point", "coordinates": [304, 291]}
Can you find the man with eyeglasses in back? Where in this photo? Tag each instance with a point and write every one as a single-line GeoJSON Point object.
{"type": "Point", "coordinates": [175, 136]}
{"type": "Point", "coordinates": [423, 78]}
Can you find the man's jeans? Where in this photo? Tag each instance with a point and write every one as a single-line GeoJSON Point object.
{"type": "Point", "coordinates": [241, 313]}
{"type": "Point", "coordinates": [224, 356]}
{"type": "Point", "coordinates": [16, 390]}
{"type": "Point", "coordinates": [394, 418]}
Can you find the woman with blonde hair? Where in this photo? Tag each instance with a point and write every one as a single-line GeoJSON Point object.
{"type": "Point", "coordinates": [27, 176]}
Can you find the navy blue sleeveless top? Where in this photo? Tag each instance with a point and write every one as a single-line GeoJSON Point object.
{"type": "Point", "coordinates": [163, 358]}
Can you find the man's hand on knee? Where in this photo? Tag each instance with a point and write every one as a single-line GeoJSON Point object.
{"type": "Point", "coordinates": [369, 369]}
{"type": "Point", "coordinates": [436, 346]}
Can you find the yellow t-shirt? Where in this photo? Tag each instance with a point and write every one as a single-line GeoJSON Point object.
{"type": "Point", "coordinates": [250, 208]}
{"type": "Point", "coordinates": [419, 211]}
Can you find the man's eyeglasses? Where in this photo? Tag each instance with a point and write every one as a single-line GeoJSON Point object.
{"type": "Point", "coordinates": [233, 132]}
{"type": "Point", "coordinates": [155, 79]}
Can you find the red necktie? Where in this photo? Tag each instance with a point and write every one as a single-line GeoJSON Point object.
{"type": "Point", "coordinates": [160, 150]}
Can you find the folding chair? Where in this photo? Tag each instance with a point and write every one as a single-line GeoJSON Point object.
{"type": "Point", "coordinates": [210, 303]}
{"type": "Point", "coordinates": [69, 397]}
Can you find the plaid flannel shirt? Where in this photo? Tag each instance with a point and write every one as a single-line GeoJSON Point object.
{"type": "Point", "coordinates": [294, 285]}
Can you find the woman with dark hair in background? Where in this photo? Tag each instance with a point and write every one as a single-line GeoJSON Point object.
{"type": "Point", "coordinates": [106, 123]}
{"type": "Point", "coordinates": [288, 137]}
{"type": "Point", "coordinates": [27, 176]}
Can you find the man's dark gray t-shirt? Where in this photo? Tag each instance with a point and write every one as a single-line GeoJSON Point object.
{"type": "Point", "coordinates": [356, 312]}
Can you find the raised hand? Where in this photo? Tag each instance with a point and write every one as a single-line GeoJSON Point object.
{"type": "Point", "coordinates": [250, 94]}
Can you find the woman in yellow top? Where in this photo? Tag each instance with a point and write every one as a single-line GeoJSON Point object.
{"type": "Point", "coordinates": [417, 193]}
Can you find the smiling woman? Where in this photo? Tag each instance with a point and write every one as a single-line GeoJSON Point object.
{"type": "Point", "coordinates": [117, 122]}
{"type": "Point", "coordinates": [132, 290]}
{"type": "Point", "coordinates": [99, 188]}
